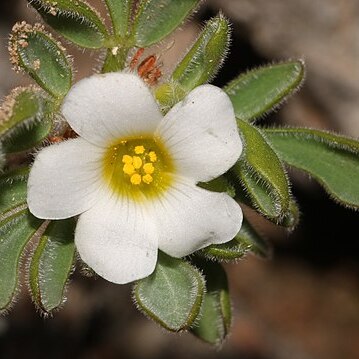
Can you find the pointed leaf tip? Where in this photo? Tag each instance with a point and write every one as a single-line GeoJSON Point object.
{"type": "Point", "coordinates": [200, 64]}
{"type": "Point", "coordinates": [206, 56]}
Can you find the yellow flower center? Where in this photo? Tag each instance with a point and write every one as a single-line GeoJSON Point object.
{"type": "Point", "coordinates": [138, 168]}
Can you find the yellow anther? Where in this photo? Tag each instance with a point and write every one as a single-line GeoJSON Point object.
{"type": "Point", "coordinates": [139, 150]}
{"type": "Point", "coordinates": [148, 168]}
{"type": "Point", "coordinates": [147, 179]}
{"type": "Point", "coordinates": [127, 159]}
{"type": "Point", "coordinates": [136, 179]}
{"type": "Point", "coordinates": [137, 162]}
{"type": "Point", "coordinates": [153, 156]}
{"type": "Point", "coordinates": [128, 169]}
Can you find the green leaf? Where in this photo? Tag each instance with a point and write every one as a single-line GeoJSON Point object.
{"type": "Point", "coordinates": [248, 235]}
{"type": "Point", "coordinates": [199, 65]}
{"type": "Point", "coordinates": [15, 232]}
{"type": "Point", "coordinates": [262, 174]}
{"type": "Point", "coordinates": [115, 59]}
{"type": "Point", "coordinates": [258, 91]}
{"type": "Point", "coordinates": [13, 191]}
{"type": "Point", "coordinates": [331, 159]}
{"type": "Point", "coordinates": [156, 19]}
{"type": "Point", "coordinates": [219, 184]}
{"type": "Point", "coordinates": [25, 119]}
{"type": "Point", "coordinates": [253, 192]}
{"type": "Point", "coordinates": [206, 55]}
{"type": "Point", "coordinates": [35, 52]}
{"type": "Point", "coordinates": [2, 158]}
{"type": "Point", "coordinates": [215, 321]}
{"type": "Point", "coordinates": [51, 265]}
{"type": "Point", "coordinates": [120, 13]}
{"type": "Point", "coordinates": [75, 20]}
{"type": "Point", "coordinates": [17, 227]}
{"type": "Point", "coordinates": [291, 218]}
{"type": "Point", "coordinates": [229, 251]}
{"type": "Point", "coordinates": [245, 241]}
{"type": "Point", "coordinates": [172, 295]}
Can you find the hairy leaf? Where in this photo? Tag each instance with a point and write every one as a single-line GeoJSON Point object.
{"type": "Point", "coordinates": [199, 65]}
{"type": "Point", "coordinates": [215, 321]}
{"type": "Point", "coordinates": [258, 91]}
{"type": "Point", "coordinates": [205, 57]}
{"type": "Point", "coordinates": [15, 232]}
{"type": "Point", "coordinates": [219, 184]}
{"type": "Point", "coordinates": [25, 119]}
{"type": "Point", "coordinates": [115, 59]}
{"type": "Point", "coordinates": [331, 159]}
{"type": "Point", "coordinates": [13, 190]}
{"type": "Point", "coordinates": [172, 295]}
{"type": "Point", "coordinates": [120, 13]}
{"type": "Point", "coordinates": [51, 265]}
{"type": "Point", "coordinates": [156, 19]}
{"type": "Point", "coordinates": [35, 52]}
{"type": "Point", "coordinates": [262, 174]}
{"type": "Point", "coordinates": [17, 227]}
{"type": "Point", "coordinates": [2, 158]}
{"type": "Point", "coordinates": [247, 240]}
{"type": "Point", "coordinates": [75, 20]}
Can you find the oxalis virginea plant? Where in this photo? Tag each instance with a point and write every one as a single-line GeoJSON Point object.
{"type": "Point", "coordinates": [139, 174]}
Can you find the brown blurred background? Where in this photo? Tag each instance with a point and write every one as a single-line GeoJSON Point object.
{"type": "Point", "coordinates": [304, 303]}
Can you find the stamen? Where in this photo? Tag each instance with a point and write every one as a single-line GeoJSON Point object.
{"type": "Point", "coordinates": [127, 159]}
{"type": "Point", "coordinates": [137, 162]}
{"type": "Point", "coordinates": [138, 166]}
{"type": "Point", "coordinates": [128, 169]}
{"type": "Point", "coordinates": [139, 150]}
{"type": "Point", "coordinates": [153, 156]}
{"type": "Point", "coordinates": [148, 168]}
{"type": "Point", "coordinates": [136, 179]}
{"type": "Point", "coordinates": [147, 179]}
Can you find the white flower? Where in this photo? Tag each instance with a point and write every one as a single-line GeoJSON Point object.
{"type": "Point", "coordinates": [132, 174]}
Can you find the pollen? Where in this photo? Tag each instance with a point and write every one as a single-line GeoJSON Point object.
{"type": "Point", "coordinates": [139, 150]}
{"type": "Point", "coordinates": [139, 168]}
{"type": "Point", "coordinates": [153, 156]}
{"type": "Point", "coordinates": [129, 169]}
{"type": "Point", "coordinates": [147, 179]}
{"type": "Point", "coordinates": [148, 168]}
{"type": "Point", "coordinates": [136, 179]}
{"type": "Point", "coordinates": [127, 159]}
{"type": "Point", "coordinates": [137, 162]}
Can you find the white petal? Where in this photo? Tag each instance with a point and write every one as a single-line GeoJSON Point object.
{"type": "Point", "coordinates": [65, 179]}
{"type": "Point", "coordinates": [118, 240]}
{"type": "Point", "coordinates": [191, 218]}
{"type": "Point", "coordinates": [201, 134]}
{"type": "Point", "coordinates": [107, 107]}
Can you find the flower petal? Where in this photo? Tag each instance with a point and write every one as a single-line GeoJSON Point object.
{"type": "Point", "coordinates": [107, 107]}
{"type": "Point", "coordinates": [65, 179]}
{"type": "Point", "coordinates": [191, 218]}
{"type": "Point", "coordinates": [201, 134]}
{"type": "Point", "coordinates": [118, 240]}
